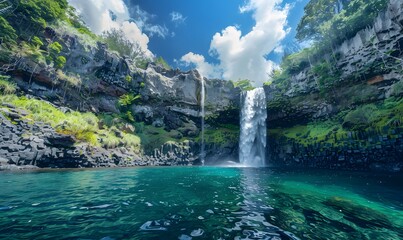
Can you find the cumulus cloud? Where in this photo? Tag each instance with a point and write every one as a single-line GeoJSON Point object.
{"type": "Point", "coordinates": [198, 61]}
{"type": "Point", "coordinates": [244, 56]}
{"type": "Point", "coordinates": [177, 17]}
{"type": "Point", "coordinates": [97, 15]}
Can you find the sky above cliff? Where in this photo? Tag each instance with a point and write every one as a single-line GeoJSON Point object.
{"type": "Point", "coordinates": [229, 39]}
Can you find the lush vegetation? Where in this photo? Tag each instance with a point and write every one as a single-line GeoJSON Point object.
{"type": "Point", "coordinates": [243, 84]}
{"type": "Point", "coordinates": [84, 126]}
{"type": "Point", "coordinates": [6, 86]}
{"type": "Point", "coordinates": [331, 23]}
{"type": "Point", "coordinates": [325, 25]}
{"type": "Point", "coordinates": [367, 117]}
{"type": "Point", "coordinates": [117, 41]}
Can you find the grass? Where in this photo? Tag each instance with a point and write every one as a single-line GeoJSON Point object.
{"type": "Point", "coordinates": [83, 126]}
{"type": "Point", "coordinates": [6, 87]}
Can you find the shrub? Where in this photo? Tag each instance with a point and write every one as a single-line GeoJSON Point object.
{"type": "Point", "coordinates": [7, 87]}
{"type": "Point", "coordinates": [361, 117]}
{"type": "Point", "coordinates": [60, 62]}
{"type": "Point", "coordinates": [36, 41]}
{"type": "Point", "coordinates": [128, 99]}
{"type": "Point", "coordinates": [7, 32]}
{"type": "Point", "coordinates": [55, 48]}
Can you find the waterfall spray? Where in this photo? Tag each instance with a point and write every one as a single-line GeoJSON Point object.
{"type": "Point", "coordinates": [252, 141]}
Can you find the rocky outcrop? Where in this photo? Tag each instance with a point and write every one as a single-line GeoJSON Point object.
{"type": "Point", "coordinates": [379, 150]}
{"type": "Point", "coordinates": [25, 144]}
{"type": "Point", "coordinates": [369, 72]}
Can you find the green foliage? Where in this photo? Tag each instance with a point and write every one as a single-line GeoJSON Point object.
{"type": "Point", "coordinates": [128, 78]}
{"type": "Point", "coordinates": [129, 116]}
{"type": "Point", "coordinates": [161, 61]}
{"type": "Point", "coordinates": [281, 79]}
{"type": "Point", "coordinates": [360, 118]}
{"type": "Point", "coordinates": [117, 41]}
{"type": "Point", "coordinates": [222, 134]}
{"type": "Point", "coordinates": [40, 12]}
{"type": "Point", "coordinates": [372, 116]}
{"type": "Point", "coordinates": [141, 63]}
{"type": "Point", "coordinates": [326, 74]}
{"type": "Point", "coordinates": [244, 85]}
{"type": "Point", "coordinates": [55, 48]}
{"type": "Point", "coordinates": [72, 80]}
{"type": "Point", "coordinates": [36, 41]}
{"type": "Point", "coordinates": [7, 32]}
{"type": "Point", "coordinates": [128, 99]}
{"type": "Point", "coordinates": [153, 137]}
{"type": "Point", "coordinates": [32, 52]}
{"type": "Point", "coordinates": [60, 62]}
{"type": "Point", "coordinates": [84, 126]}
{"type": "Point", "coordinates": [296, 62]}
{"type": "Point", "coordinates": [75, 21]}
{"type": "Point", "coordinates": [142, 84]}
{"type": "Point", "coordinates": [6, 87]}
{"type": "Point", "coordinates": [321, 23]}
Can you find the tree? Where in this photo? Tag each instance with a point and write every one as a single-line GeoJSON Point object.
{"type": "Point", "coordinates": [326, 22]}
{"type": "Point", "coordinates": [316, 12]}
{"type": "Point", "coordinates": [39, 10]}
{"type": "Point", "coordinates": [117, 41]}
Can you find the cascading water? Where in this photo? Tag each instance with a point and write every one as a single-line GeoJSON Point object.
{"type": "Point", "coordinates": [252, 142]}
{"type": "Point", "coordinates": [202, 113]}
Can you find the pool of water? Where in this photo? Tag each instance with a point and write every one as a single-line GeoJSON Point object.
{"type": "Point", "coordinates": [200, 203]}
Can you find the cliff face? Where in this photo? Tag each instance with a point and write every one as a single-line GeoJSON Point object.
{"type": "Point", "coordinates": [165, 114]}
{"type": "Point", "coordinates": [356, 123]}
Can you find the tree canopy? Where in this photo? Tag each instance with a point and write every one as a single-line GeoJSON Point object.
{"type": "Point", "coordinates": [332, 21]}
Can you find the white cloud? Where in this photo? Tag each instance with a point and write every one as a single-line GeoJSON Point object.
{"type": "Point", "coordinates": [244, 56]}
{"type": "Point", "coordinates": [177, 17]}
{"type": "Point", "coordinates": [143, 18]}
{"type": "Point", "coordinates": [279, 49]}
{"type": "Point", "coordinates": [97, 15]}
{"type": "Point", "coordinates": [196, 60]}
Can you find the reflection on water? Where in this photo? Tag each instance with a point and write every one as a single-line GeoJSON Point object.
{"type": "Point", "coordinates": [200, 203]}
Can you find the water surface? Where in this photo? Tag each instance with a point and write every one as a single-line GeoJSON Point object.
{"type": "Point", "coordinates": [200, 203]}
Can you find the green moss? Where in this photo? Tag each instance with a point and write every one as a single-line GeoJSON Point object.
{"type": "Point", "coordinates": [222, 134]}
{"type": "Point", "coordinates": [320, 131]}
{"type": "Point", "coordinates": [368, 117]}
{"type": "Point", "coordinates": [153, 137]}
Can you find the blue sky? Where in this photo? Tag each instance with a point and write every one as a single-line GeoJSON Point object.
{"type": "Point", "coordinates": [202, 20]}
{"type": "Point", "coordinates": [229, 39]}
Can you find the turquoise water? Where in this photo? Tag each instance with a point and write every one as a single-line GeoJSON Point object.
{"type": "Point", "coordinates": [200, 203]}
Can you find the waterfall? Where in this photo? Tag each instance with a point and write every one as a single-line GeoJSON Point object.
{"type": "Point", "coordinates": [252, 141]}
{"type": "Point", "coordinates": [202, 100]}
